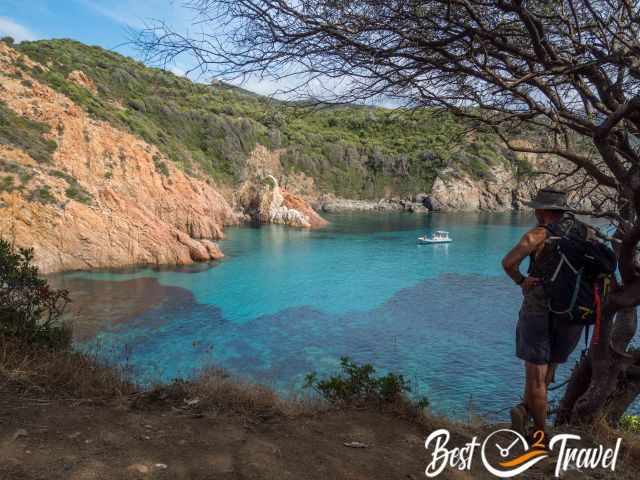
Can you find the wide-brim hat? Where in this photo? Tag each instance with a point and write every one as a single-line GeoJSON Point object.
{"type": "Point", "coordinates": [549, 199]}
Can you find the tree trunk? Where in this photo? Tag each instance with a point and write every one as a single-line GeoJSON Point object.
{"type": "Point", "coordinates": [599, 385]}
{"type": "Point", "coordinates": [578, 384]}
{"type": "Point", "coordinates": [626, 392]}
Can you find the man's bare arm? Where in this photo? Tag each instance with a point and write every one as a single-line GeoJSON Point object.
{"type": "Point", "coordinates": [529, 243]}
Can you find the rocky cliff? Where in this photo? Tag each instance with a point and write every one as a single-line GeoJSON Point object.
{"type": "Point", "coordinates": [106, 163]}
{"type": "Point", "coordinates": [263, 200]}
{"type": "Point", "coordinates": [504, 186]}
{"type": "Point", "coordinates": [105, 198]}
{"type": "Point", "coordinates": [460, 192]}
{"type": "Point", "coordinates": [96, 196]}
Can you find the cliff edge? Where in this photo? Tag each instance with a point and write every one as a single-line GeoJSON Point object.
{"type": "Point", "coordinates": [85, 194]}
{"type": "Point", "coordinates": [103, 198]}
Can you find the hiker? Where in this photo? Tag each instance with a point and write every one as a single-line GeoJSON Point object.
{"type": "Point", "coordinates": [540, 342]}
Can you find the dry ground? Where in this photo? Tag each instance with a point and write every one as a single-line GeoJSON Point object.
{"type": "Point", "coordinates": [63, 416]}
{"type": "Point", "coordinates": [64, 439]}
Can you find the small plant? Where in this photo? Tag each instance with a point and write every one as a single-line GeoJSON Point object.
{"type": "Point", "coordinates": [6, 184]}
{"type": "Point", "coordinates": [161, 166]}
{"type": "Point", "coordinates": [358, 384]}
{"type": "Point", "coordinates": [42, 195]}
{"type": "Point", "coordinates": [30, 310]}
{"type": "Point", "coordinates": [630, 423]}
{"type": "Point", "coordinates": [74, 191]}
{"type": "Point", "coordinates": [60, 174]}
{"type": "Point", "coordinates": [79, 194]}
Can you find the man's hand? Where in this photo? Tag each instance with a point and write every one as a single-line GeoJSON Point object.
{"type": "Point", "coordinates": [529, 283]}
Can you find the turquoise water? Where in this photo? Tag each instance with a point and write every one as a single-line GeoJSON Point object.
{"type": "Point", "coordinates": [285, 302]}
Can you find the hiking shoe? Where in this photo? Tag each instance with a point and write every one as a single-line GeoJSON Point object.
{"type": "Point", "coordinates": [519, 419]}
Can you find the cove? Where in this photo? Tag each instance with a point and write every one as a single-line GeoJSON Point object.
{"type": "Point", "coordinates": [285, 302]}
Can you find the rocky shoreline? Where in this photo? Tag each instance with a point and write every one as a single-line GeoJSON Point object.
{"type": "Point", "coordinates": [500, 189]}
{"type": "Point", "coordinates": [329, 204]}
{"type": "Point", "coordinates": [101, 197]}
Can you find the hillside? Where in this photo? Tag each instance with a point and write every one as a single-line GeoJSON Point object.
{"type": "Point", "coordinates": [353, 152]}
{"type": "Point", "coordinates": [105, 162]}
{"type": "Point", "coordinates": [88, 193]}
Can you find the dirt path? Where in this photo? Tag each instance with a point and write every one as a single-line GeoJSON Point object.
{"type": "Point", "coordinates": [42, 439]}
{"type": "Point", "coordinates": [51, 440]}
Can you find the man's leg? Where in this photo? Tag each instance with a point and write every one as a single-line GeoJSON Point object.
{"type": "Point", "coordinates": [535, 393]}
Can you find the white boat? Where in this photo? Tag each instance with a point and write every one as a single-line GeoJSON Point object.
{"type": "Point", "coordinates": [439, 236]}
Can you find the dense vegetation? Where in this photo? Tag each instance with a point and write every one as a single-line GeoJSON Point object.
{"type": "Point", "coordinates": [210, 129]}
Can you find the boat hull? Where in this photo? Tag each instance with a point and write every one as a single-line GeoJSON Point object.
{"type": "Point", "coordinates": [429, 241]}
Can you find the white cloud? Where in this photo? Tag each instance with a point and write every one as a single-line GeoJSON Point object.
{"type": "Point", "coordinates": [136, 14]}
{"type": "Point", "coordinates": [115, 12]}
{"type": "Point", "coordinates": [176, 70]}
{"type": "Point", "coordinates": [12, 29]}
{"type": "Point", "coordinates": [268, 86]}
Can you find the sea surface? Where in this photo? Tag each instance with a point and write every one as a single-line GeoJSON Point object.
{"type": "Point", "coordinates": [285, 302]}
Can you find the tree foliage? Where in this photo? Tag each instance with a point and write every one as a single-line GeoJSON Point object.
{"type": "Point", "coordinates": [30, 310]}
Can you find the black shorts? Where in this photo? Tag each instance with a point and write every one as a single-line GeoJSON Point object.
{"type": "Point", "coordinates": [540, 341]}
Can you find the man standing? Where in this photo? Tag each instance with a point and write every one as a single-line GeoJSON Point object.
{"type": "Point", "coordinates": [540, 342]}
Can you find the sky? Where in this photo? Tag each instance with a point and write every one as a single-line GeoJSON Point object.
{"type": "Point", "coordinates": [106, 23]}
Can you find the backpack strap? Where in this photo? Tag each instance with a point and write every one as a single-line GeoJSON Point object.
{"type": "Point", "coordinates": [597, 305]}
{"type": "Point", "coordinates": [598, 297]}
{"type": "Point", "coordinates": [576, 289]}
{"type": "Point", "coordinates": [552, 230]}
{"type": "Point", "coordinates": [586, 341]}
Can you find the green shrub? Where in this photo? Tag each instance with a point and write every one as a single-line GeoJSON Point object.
{"type": "Point", "coordinates": [7, 184]}
{"type": "Point", "coordinates": [25, 134]}
{"type": "Point", "coordinates": [358, 384]}
{"type": "Point", "coordinates": [30, 310]}
{"type": "Point", "coordinates": [41, 195]}
{"type": "Point", "coordinates": [630, 423]}
{"type": "Point", "coordinates": [79, 194]}
{"type": "Point", "coordinates": [161, 166]}
{"type": "Point", "coordinates": [65, 176]}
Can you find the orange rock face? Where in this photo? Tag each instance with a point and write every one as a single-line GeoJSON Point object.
{"type": "Point", "coordinates": [81, 79]}
{"type": "Point", "coordinates": [296, 203]}
{"type": "Point", "coordinates": [136, 207]}
{"type": "Point", "coordinates": [263, 198]}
